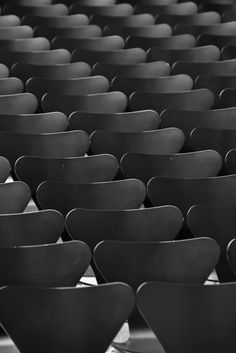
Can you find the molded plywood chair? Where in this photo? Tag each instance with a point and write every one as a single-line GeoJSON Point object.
{"type": "Point", "coordinates": [199, 99]}
{"type": "Point", "coordinates": [184, 165]}
{"type": "Point", "coordinates": [219, 40]}
{"type": "Point", "coordinates": [54, 145]}
{"type": "Point", "coordinates": [147, 70]}
{"type": "Point", "coordinates": [230, 161]}
{"type": "Point", "coordinates": [59, 71]}
{"type": "Point", "coordinates": [221, 140]}
{"type": "Point", "coordinates": [145, 31]}
{"type": "Point", "coordinates": [31, 228]}
{"type": "Point", "coordinates": [34, 123]}
{"type": "Point", "coordinates": [16, 32]}
{"type": "Point", "coordinates": [185, 193]}
{"type": "Point", "coordinates": [34, 170]}
{"type": "Point", "coordinates": [204, 18]}
{"type": "Point", "coordinates": [76, 314]}
{"type": "Point", "coordinates": [121, 122]}
{"type": "Point", "coordinates": [122, 194]}
{"type": "Point", "coordinates": [196, 54]}
{"type": "Point", "coordinates": [174, 83]}
{"type": "Point", "coordinates": [162, 141]}
{"type": "Point", "coordinates": [124, 56]}
{"type": "Point", "coordinates": [110, 102]}
{"type": "Point", "coordinates": [181, 41]}
{"type": "Point", "coordinates": [194, 69]}
{"type": "Point", "coordinates": [55, 21]}
{"type": "Point", "coordinates": [5, 169]}
{"type": "Point", "coordinates": [42, 10]}
{"type": "Point", "coordinates": [188, 120]}
{"type": "Point", "coordinates": [215, 83]}
{"type": "Point", "coordinates": [227, 97]}
{"type": "Point", "coordinates": [89, 39]}
{"type": "Point", "coordinates": [47, 57]}
{"type": "Point", "coordinates": [25, 44]}
{"type": "Point", "coordinates": [20, 103]}
{"type": "Point", "coordinates": [184, 316]}
{"type": "Point", "coordinates": [185, 8]}
{"type": "Point", "coordinates": [146, 224]}
{"type": "Point", "coordinates": [11, 85]}
{"type": "Point", "coordinates": [73, 86]}
{"type": "Point", "coordinates": [14, 196]}
{"type": "Point", "coordinates": [219, 223]}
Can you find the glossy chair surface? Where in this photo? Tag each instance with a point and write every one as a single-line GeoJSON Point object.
{"type": "Point", "coordinates": [15, 196]}
{"type": "Point", "coordinates": [16, 32]}
{"type": "Point", "coordinates": [130, 20]}
{"type": "Point", "coordinates": [219, 40]}
{"type": "Point", "coordinates": [5, 169]}
{"type": "Point", "coordinates": [19, 103]}
{"type": "Point", "coordinates": [215, 83]}
{"type": "Point", "coordinates": [185, 8]}
{"type": "Point", "coordinates": [9, 20]}
{"type": "Point", "coordinates": [204, 18]}
{"type": "Point", "coordinates": [25, 44]}
{"type": "Point", "coordinates": [227, 97]}
{"type": "Point", "coordinates": [230, 161]}
{"type": "Point", "coordinates": [55, 21]}
{"type": "Point", "coordinates": [145, 31]}
{"type": "Point", "coordinates": [43, 10]}
{"type": "Point", "coordinates": [11, 85]}
{"type": "Point", "coordinates": [111, 10]}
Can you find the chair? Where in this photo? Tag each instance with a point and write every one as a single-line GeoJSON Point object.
{"type": "Point", "coordinates": [185, 318]}
{"type": "Point", "coordinates": [71, 316]}
{"type": "Point", "coordinates": [41, 10]}
{"type": "Point", "coordinates": [9, 20]}
{"type": "Point", "coordinates": [11, 85]}
{"type": "Point", "coordinates": [185, 8]}
{"type": "Point", "coordinates": [15, 196]}
{"type": "Point", "coordinates": [59, 71]}
{"type": "Point", "coordinates": [54, 145]}
{"type": "Point", "coordinates": [25, 44]}
{"type": "Point", "coordinates": [31, 228]}
{"type": "Point", "coordinates": [16, 32]}
{"type": "Point", "coordinates": [217, 222]}
{"type": "Point", "coordinates": [89, 38]}
{"type": "Point", "coordinates": [112, 10]}
{"type": "Point", "coordinates": [204, 18]}
{"type": "Point", "coordinates": [162, 141]}
{"type": "Point", "coordinates": [124, 56]}
{"type": "Point", "coordinates": [199, 99]}
{"type": "Point", "coordinates": [227, 97]}
{"type": "Point", "coordinates": [221, 140]}
{"type": "Point", "coordinates": [148, 70]}
{"type": "Point", "coordinates": [55, 21]}
{"type": "Point", "coordinates": [228, 52]}
{"type": "Point", "coordinates": [145, 31]}
{"type": "Point", "coordinates": [145, 224]}
{"type": "Point", "coordinates": [215, 83]}
{"type": "Point", "coordinates": [121, 122]}
{"type": "Point", "coordinates": [187, 120]}
{"type": "Point", "coordinates": [112, 195]}
{"type": "Point", "coordinates": [163, 84]}
{"type": "Point", "coordinates": [229, 15]}
{"type": "Point", "coordinates": [184, 193]}
{"type": "Point", "coordinates": [231, 255]}
{"type": "Point", "coordinates": [110, 102]}
{"type": "Point", "coordinates": [219, 6]}
{"type": "Point", "coordinates": [181, 41]}
{"type": "Point", "coordinates": [20, 103]}
{"type": "Point", "coordinates": [34, 123]}
{"type": "Point", "coordinates": [4, 71]}
{"type": "Point", "coordinates": [200, 164]}
{"type": "Point", "coordinates": [5, 169]}
{"type": "Point", "coordinates": [218, 40]}
{"type": "Point", "coordinates": [225, 29]}
{"type": "Point", "coordinates": [196, 54]}
{"type": "Point", "coordinates": [72, 86]}
{"type": "Point", "coordinates": [126, 20]}
{"type": "Point", "coordinates": [230, 161]}
{"type": "Point", "coordinates": [34, 170]}
{"type": "Point", "coordinates": [194, 69]}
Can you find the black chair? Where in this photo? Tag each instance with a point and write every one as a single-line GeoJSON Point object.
{"type": "Point", "coordinates": [215, 83]}
{"type": "Point", "coordinates": [70, 315]}
{"type": "Point", "coordinates": [31, 228]}
{"type": "Point", "coordinates": [181, 41]}
{"type": "Point", "coordinates": [227, 98]}
{"type": "Point", "coordinates": [230, 161]}
{"type": "Point", "coordinates": [16, 32]}
{"type": "Point", "coordinates": [19, 103]}
{"type": "Point", "coordinates": [203, 18]}
{"type": "Point", "coordinates": [199, 164]}
{"type": "Point", "coordinates": [24, 44]}
{"type": "Point", "coordinates": [131, 20]}
{"type": "Point", "coordinates": [161, 141]}
{"type": "Point", "coordinates": [226, 29]}
{"type": "Point", "coordinates": [219, 40]}
{"type": "Point", "coordinates": [121, 194]}
{"type": "Point", "coordinates": [55, 21]}
{"type": "Point", "coordinates": [189, 317]}
{"type": "Point", "coordinates": [15, 196]}
{"type": "Point", "coordinates": [42, 10]}
{"type": "Point", "coordinates": [112, 10]}
{"type": "Point", "coordinates": [11, 85]}
{"type": "Point", "coordinates": [9, 20]}
{"type": "Point", "coordinates": [145, 31]}
{"type": "Point", "coordinates": [185, 8]}
{"type": "Point", "coordinates": [231, 255]}
{"type": "Point", "coordinates": [5, 169]}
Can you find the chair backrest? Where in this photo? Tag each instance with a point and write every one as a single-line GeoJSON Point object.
{"type": "Point", "coordinates": [146, 224]}
{"type": "Point", "coordinates": [16, 32]}
{"type": "Point", "coordinates": [19, 103]}
{"type": "Point", "coordinates": [146, 31]}
{"type": "Point", "coordinates": [25, 44]}
{"type": "Point", "coordinates": [215, 83]}
{"type": "Point", "coordinates": [230, 161]}
{"type": "Point", "coordinates": [181, 41]}
{"type": "Point", "coordinates": [117, 195]}
{"type": "Point", "coordinates": [71, 316]}
{"type": "Point", "coordinates": [31, 228]}
{"type": "Point", "coordinates": [11, 85]}
{"type": "Point", "coordinates": [219, 40]}
{"type": "Point", "coordinates": [185, 8]}
{"type": "Point", "coordinates": [42, 10]}
{"type": "Point", "coordinates": [188, 317]}
{"type": "Point", "coordinates": [55, 21]}
{"type": "Point", "coordinates": [14, 196]}
{"type": "Point", "coordinates": [5, 169]}
{"type": "Point", "coordinates": [204, 18]}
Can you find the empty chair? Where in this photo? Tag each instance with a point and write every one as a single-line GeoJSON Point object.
{"type": "Point", "coordinates": [11, 85]}
{"type": "Point", "coordinates": [62, 196]}
{"type": "Point", "coordinates": [204, 18]}
{"type": "Point", "coordinates": [174, 83]}
{"type": "Point", "coordinates": [143, 19]}
{"type": "Point", "coordinates": [194, 69]}
{"type": "Point", "coordinates": [59, 71]}
{"type": "Point", "coordinates": [110, 102]}
{"type": "Point", "coordinates": [55, 21]}
{"type": "Point", "coordinates": [145, 31]}
{"type": "Point", "coordinates": [219, 6]}
{"type": "Point", "coordinates": [89, 38]}
{"type": "Point", "coordinates": [230, 161]}
{"type": "Point", "coordinates": [42, 10]}
{"type": "Point", "coordinates": [15, 196]}
{"type": "Point", "coordinates": [9, 20]}
{"type": "Point", "coordinates": [34, 170]}
{"type": "Point", "coordinates": [215, 83]}
{"type": "Point", "coordinates": [162, 141]}
{"type": "Point", "coordinates": [31, 228]}
{"type": "Point", "coordinates": [19, 103]}
{"type": "Point", "coordinates": [227, 97]}
{"type": "Point", "coordinates": [146, 70]}
{"type": "Point", "coordinates": [123, 122]}
{"type": "Point", "coordinates": [183, 165]}
{"type": "Point", "coordinates": [16, 32]}
{"type": "Point", "coordinates": [75, 313]}
{"type": "Point", "coordinates": [181, 41]}
{"type": "Point", "coordinates": [124, 56]}
{"type": "Point", "coordinates": [51, 265]}
{"type": "Point", "coordinates": [4, 71]}
{"type": "Point", "coordinates": [73, 86]}
{"type": "Point", "coordinates": [196, 54]}
{"type": "Point", "coordinates": [185, 8]}
{"type": "Point", "coordinates": [54, 145]}
{"type": "Point", "coordinates": [5, 169]}
{"type": "Point", "coordinates": [184, 193]}
{"type": "Point", "coordinates": [145, 224]}
{"type": "Point", "coordinates": [221, 140]}
{"type": "Point", "coordinates": [196, 323]}
{"type": "Point", "coordinates": [224, 29]}
{"type": "Point", "coordinates": [219, 40]}
{"type": "Point", "coordinates": [229, 15]}
{"type": "Point", "coordinates": [112, 10]}
{"type": "Point", "coordinates": [25, 44]}
{"type": "Point", "coordinates": [187, 120]}
{"type": "Point", "coordinates": [199, 99]}
{"type": "Point", "coordinates": [217, 222]}
{"type": "Point", "coordinates": [34, 123]}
